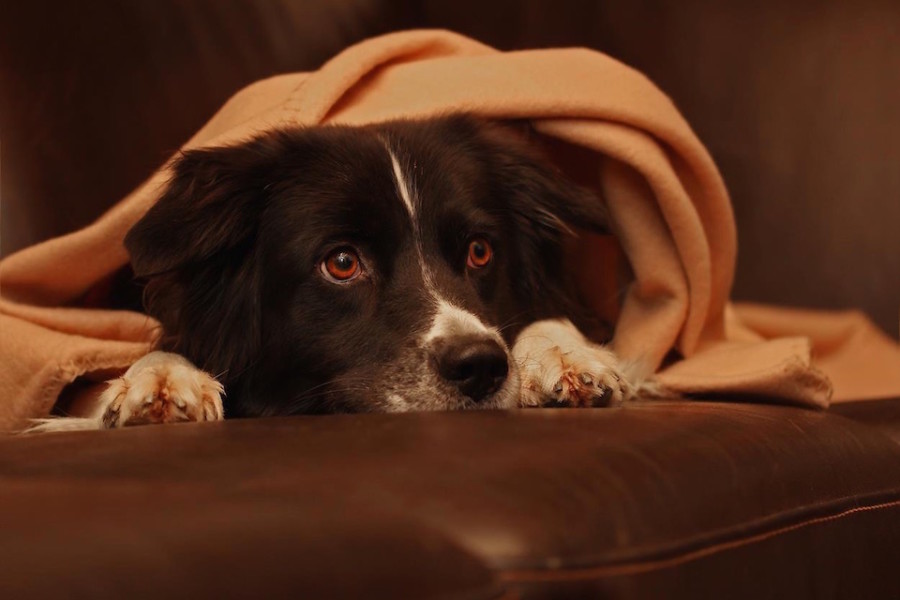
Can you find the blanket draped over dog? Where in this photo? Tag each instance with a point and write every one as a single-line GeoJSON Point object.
{"type": "Point", "coordinates": [668, 207]}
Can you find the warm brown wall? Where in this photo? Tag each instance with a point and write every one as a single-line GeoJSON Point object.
{"type": "Point", "coordinates": [96, 94]}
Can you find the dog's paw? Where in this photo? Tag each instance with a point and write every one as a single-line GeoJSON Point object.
{"type": "Point", "coordinates": [161, 388]}
{"type": "Point", "coordinates": [559, 367]}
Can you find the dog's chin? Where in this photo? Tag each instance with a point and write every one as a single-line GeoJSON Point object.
{"type": "Point", "coordinates": [439, 398]}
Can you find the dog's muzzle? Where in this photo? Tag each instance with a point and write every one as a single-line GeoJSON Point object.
{"type": "Point", "coordinates": [475, 365]}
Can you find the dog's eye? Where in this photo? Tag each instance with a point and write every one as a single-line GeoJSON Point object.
{"type": "Point", "coordinates": [341, 266]}
{"type": "Point", "coordinates": [480, 253]}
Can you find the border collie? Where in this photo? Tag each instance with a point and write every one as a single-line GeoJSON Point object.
{"type": "Point", "coordinates": [409, 265]}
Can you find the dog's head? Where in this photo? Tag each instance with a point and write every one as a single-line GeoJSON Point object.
{"type": "Point", "coordinates": [336, 269]}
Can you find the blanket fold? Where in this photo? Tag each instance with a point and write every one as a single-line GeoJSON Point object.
{"type": "Point", "coordinates": [669, 209]}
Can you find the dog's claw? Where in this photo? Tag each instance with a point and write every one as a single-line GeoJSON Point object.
{"type": "Point", "coordinates": [603, 398]}
{"type": "Point", "coordinates": [111, 416]}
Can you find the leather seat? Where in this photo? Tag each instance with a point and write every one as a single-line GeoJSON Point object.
{"type": "Point", "coordinates": [658, 499]}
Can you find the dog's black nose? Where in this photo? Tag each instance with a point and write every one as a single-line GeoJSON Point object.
{"type": "Point", "coordinates": [476, 366]}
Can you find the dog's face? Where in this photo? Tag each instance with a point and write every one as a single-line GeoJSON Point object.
{"type": "Point", "coordinates": [383, 268]}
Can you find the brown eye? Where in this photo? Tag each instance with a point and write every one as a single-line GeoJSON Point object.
{"type": "Point", "coordinates": [341, 266]}
{"type": "Point", "coordinates": [480, 253]}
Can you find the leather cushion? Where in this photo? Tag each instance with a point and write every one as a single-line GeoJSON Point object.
{"type": "Point", "coordinates": [540, 496]}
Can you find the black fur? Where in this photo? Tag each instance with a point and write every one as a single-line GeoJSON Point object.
{"type": "Point", "coordinates": [230, 253]}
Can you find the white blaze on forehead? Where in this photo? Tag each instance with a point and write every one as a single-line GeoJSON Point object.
{"type": "Point", "coordinates": [451, 321]}
{"type": "Point", "coordinates": [402, 185]}
{"type": "Point", "coordinates": [404, 189]}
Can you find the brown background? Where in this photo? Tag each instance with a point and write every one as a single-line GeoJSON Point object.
{"type": "Point", "coordinates": [798, 103]}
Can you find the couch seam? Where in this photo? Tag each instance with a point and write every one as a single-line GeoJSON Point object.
{"type": "Point", "coordinates": [638, 566]}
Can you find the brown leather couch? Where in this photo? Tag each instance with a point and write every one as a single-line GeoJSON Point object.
{"type": "Point", "coordinates": [689, 499]}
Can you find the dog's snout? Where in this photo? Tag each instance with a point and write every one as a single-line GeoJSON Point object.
{"type": "Point", "coordinates": [477, 366]}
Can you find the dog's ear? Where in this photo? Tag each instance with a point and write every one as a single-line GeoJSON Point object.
{"type": "Point", "coordinates": [211, 204]}
{"type": "Point", "coordinates": [552, 201]}
{"type": "Point", "coordinates": [194, 251]}
{"type": "Point", "coordinates": [549, 211]}
{"type": "Point", "coordinates": [541, 192]}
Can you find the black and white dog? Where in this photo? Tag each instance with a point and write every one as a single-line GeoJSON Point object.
{"type": "Point", "coordinates": [411, 265]}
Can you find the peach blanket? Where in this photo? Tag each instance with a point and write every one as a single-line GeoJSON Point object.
{"type": "Point", "coordinates": [669, 207]}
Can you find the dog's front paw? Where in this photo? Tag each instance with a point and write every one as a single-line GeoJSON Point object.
{"type": "Point", "coordinates": [559, 367]}
{"type": "Point", "coordinates": [161, 388]}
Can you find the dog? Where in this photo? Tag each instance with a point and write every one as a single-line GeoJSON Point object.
{"type": "Point", "coordinates": [401, 266]}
